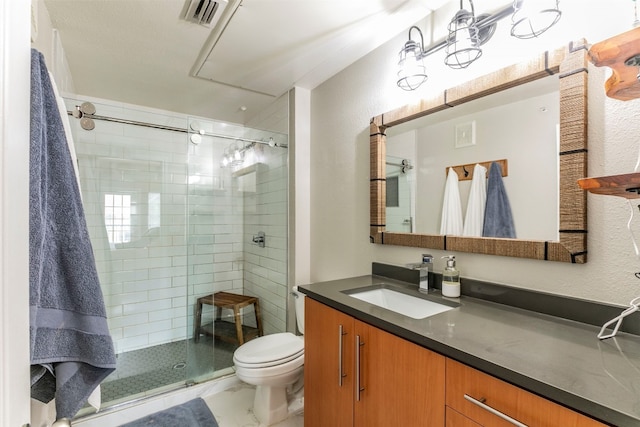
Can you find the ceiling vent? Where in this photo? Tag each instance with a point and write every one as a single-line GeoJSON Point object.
{"type": "Point", "coordinates": [204, 12]}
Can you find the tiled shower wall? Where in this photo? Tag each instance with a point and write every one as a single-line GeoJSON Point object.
{"type": "Point", "coordinates": [266, 210]}
{"type": "Point", "coordinates": [185, 227]}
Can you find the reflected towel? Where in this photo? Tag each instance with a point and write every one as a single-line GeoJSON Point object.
{"type": "Point", "coordinates": [498, 220]}
{"type": "Point", "coordinates": [451, 222]}
{"type": "Point", "coordinates": [71, 349]}
{"type": "Point", "coordinates": [474, 218]}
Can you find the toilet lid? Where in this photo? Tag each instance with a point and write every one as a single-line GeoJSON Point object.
{"type": "Point", "coordinates": [269, 350]}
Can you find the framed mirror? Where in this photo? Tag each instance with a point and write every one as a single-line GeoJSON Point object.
{"type": "Point", "coordinates": [568, 68]}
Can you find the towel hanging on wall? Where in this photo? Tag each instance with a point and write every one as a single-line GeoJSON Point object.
{"type": "Point", "coordinates": [451, 222]}
{"type": "Point", "coordinates": [474, 218]}
{"type": "Point", "coordinates": [71, 349]}
{"type": "Point", "coordinates": [498, 220]}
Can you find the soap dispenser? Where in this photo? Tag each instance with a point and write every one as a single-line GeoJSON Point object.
{"type": "Point", "coordinates": [451, 278]}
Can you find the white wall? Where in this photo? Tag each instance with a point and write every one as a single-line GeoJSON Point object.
{"type": "Point", "coordinates": [343, 106]}
{"type": "Point", "coordinates": [14, 212]}
{"type": "Point", "coordinates": [45, 39]}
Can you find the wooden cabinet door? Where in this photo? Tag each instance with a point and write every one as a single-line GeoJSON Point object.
{"type": "Point", "coordinates": [329, 338]}
{"type": "Point", "coordinates": [401, 383]}
{"type": "Point", "coordinates": [476, 394]}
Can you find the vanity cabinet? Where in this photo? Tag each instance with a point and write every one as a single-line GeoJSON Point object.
{"type": "Point", "coordinates": [476, 399]}
{"type": "Point", "coordinates": [358, 375]}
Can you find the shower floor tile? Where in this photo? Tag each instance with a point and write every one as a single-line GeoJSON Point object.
{"type": "Point", "coordinates": [150, 370]}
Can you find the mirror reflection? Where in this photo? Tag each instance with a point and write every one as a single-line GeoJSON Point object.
{"type": "Point", "coordinates": [519, 126]}
{"type": "Point", "coordinates": [541, 147]}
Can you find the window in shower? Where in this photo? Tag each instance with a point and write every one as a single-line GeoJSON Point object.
{"type": "Point", "coordinates": [117, 217]}
{"type": "Point", "coordinates": [154, 207]}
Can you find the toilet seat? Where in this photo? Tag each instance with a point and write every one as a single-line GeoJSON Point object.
{"type": "Point", "coordinates": [269, 350]}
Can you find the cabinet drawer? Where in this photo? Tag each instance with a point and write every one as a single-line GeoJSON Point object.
{"type": "Point", "coordinates": [456, 419]}
{"type": "Point", "coordinates": [487, 400]}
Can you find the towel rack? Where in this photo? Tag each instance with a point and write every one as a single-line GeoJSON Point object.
{"type": "Point", "coordinates": [465, 172]}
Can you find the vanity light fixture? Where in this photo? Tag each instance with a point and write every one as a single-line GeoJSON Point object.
{"type": "Point", "coordinates": [411, 70]}
{"type": "Point", "coordinates": [530, 19]}
{"type": "Point", "coordinates": [463, 41]}
{"type": "Point", "coordinates": [467, 32]}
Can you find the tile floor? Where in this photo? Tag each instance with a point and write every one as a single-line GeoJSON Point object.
{"type": "Point", "coordinates": [145, 372]}
{"type": "Point", "coordinates": [232, 408]}
{"type": "Point", "coordinates": [230, 400]}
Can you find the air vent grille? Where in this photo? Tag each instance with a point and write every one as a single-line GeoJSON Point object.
{"type": "Point", "coordinates": [204, 12]}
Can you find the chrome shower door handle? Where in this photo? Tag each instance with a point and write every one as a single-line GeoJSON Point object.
{"type": "Point", "coordinates": [358, 387]}
{"type": "Point", "coordinates": [341, 374]}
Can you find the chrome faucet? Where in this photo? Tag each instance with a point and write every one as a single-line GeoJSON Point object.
{"type": "Point", "coordinates": [425, 267]}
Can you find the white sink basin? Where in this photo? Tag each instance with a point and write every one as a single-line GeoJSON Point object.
{"type": "Point", "coordinates": [399, 302]}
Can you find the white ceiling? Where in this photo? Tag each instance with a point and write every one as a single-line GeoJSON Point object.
{"type": "Point", "coordinates": [143, 52]}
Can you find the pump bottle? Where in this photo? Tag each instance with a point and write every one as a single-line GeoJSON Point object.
{"type": "Point", "coordinates": [451, 278]}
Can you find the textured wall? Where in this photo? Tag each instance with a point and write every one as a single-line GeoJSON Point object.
{"type": "Point", "coordinates": [340, 169]}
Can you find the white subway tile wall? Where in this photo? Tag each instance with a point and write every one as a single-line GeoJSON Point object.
{"type": "Point", "coordinates": [168, 224]}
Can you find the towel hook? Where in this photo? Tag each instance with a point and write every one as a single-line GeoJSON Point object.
{"type": "Point", "coordinates": [464, 169]}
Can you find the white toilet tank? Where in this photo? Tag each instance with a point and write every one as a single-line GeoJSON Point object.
{"type": "Point", "coordinates": [299, 308]}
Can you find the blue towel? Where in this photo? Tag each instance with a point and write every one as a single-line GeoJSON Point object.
{"type": "Point", "coordinates": [498, 220]}
{"type": "Point", "coordinates": [71, 349]}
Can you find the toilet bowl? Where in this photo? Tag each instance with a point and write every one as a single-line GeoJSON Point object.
{"type": "Point", "coordinates": [274, 364]}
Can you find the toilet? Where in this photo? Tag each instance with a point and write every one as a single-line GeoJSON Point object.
{"type": "Point", "coordinates": [274, 364]}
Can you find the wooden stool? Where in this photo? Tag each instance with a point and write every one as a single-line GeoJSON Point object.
{"type": "Point", "coordinates": [235, 302]}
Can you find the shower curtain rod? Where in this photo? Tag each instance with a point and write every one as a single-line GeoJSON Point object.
{"type": "Point", "coordinates": [171, 128]}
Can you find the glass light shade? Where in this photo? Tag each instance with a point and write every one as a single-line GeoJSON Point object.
{"type": "Point", "coordinates": [236, 153]}
{"type": "Point", "coordinates": [463, 42]}
{"type": "Point", "coordinates": [532, 18]}
{"type": "Point", "coordinates": [411, 70]}
{"type": "Point", "coordinates": [225, 157]}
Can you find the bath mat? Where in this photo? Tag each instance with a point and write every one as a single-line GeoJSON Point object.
{"type": "Point", "coordinates": [194, 413]}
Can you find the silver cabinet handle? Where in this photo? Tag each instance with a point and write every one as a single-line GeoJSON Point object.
{"type": "Point", "coordinates": [494, 411]}
{"type": "Point", "coordinates": [358, 388]}
{"type": "Point", "coordinates": [341, 374]}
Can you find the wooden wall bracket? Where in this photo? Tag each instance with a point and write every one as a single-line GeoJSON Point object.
{"type": "Point", "coordinates": [465, 172]}
{"type": "Point", "coordinates": [614, 53]}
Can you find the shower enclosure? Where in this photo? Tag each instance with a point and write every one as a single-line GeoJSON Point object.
{"type": "Point", "coordinates": [173, 205]}
{"type": "Point", "coordinates": [400, 206]}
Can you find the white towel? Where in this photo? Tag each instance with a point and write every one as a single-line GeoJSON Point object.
{"type": "Point", "coordinates": [451, 208]}
{"type": "Point", "coordinates": [474, 218]}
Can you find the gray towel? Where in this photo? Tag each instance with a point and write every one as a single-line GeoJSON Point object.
{"type": "Point", "coordinates": [498, 220]}
{"type": "Point", "coordinates": [194, 413]}
{"type": "Point", "coordinates": [69, 335]}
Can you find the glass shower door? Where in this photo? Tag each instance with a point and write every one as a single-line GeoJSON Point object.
{"type": "Point", "coordinates": [172, 214]}
{"type": "Point", "coordinates": [134, 188]}
{"type": "Point", "coordinates": [214, 239]}
{"type": "Point", "coordinates": [237, 196]}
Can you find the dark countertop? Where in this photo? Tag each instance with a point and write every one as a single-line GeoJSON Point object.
{"type": "Point", "coordinates": [559, 359]}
